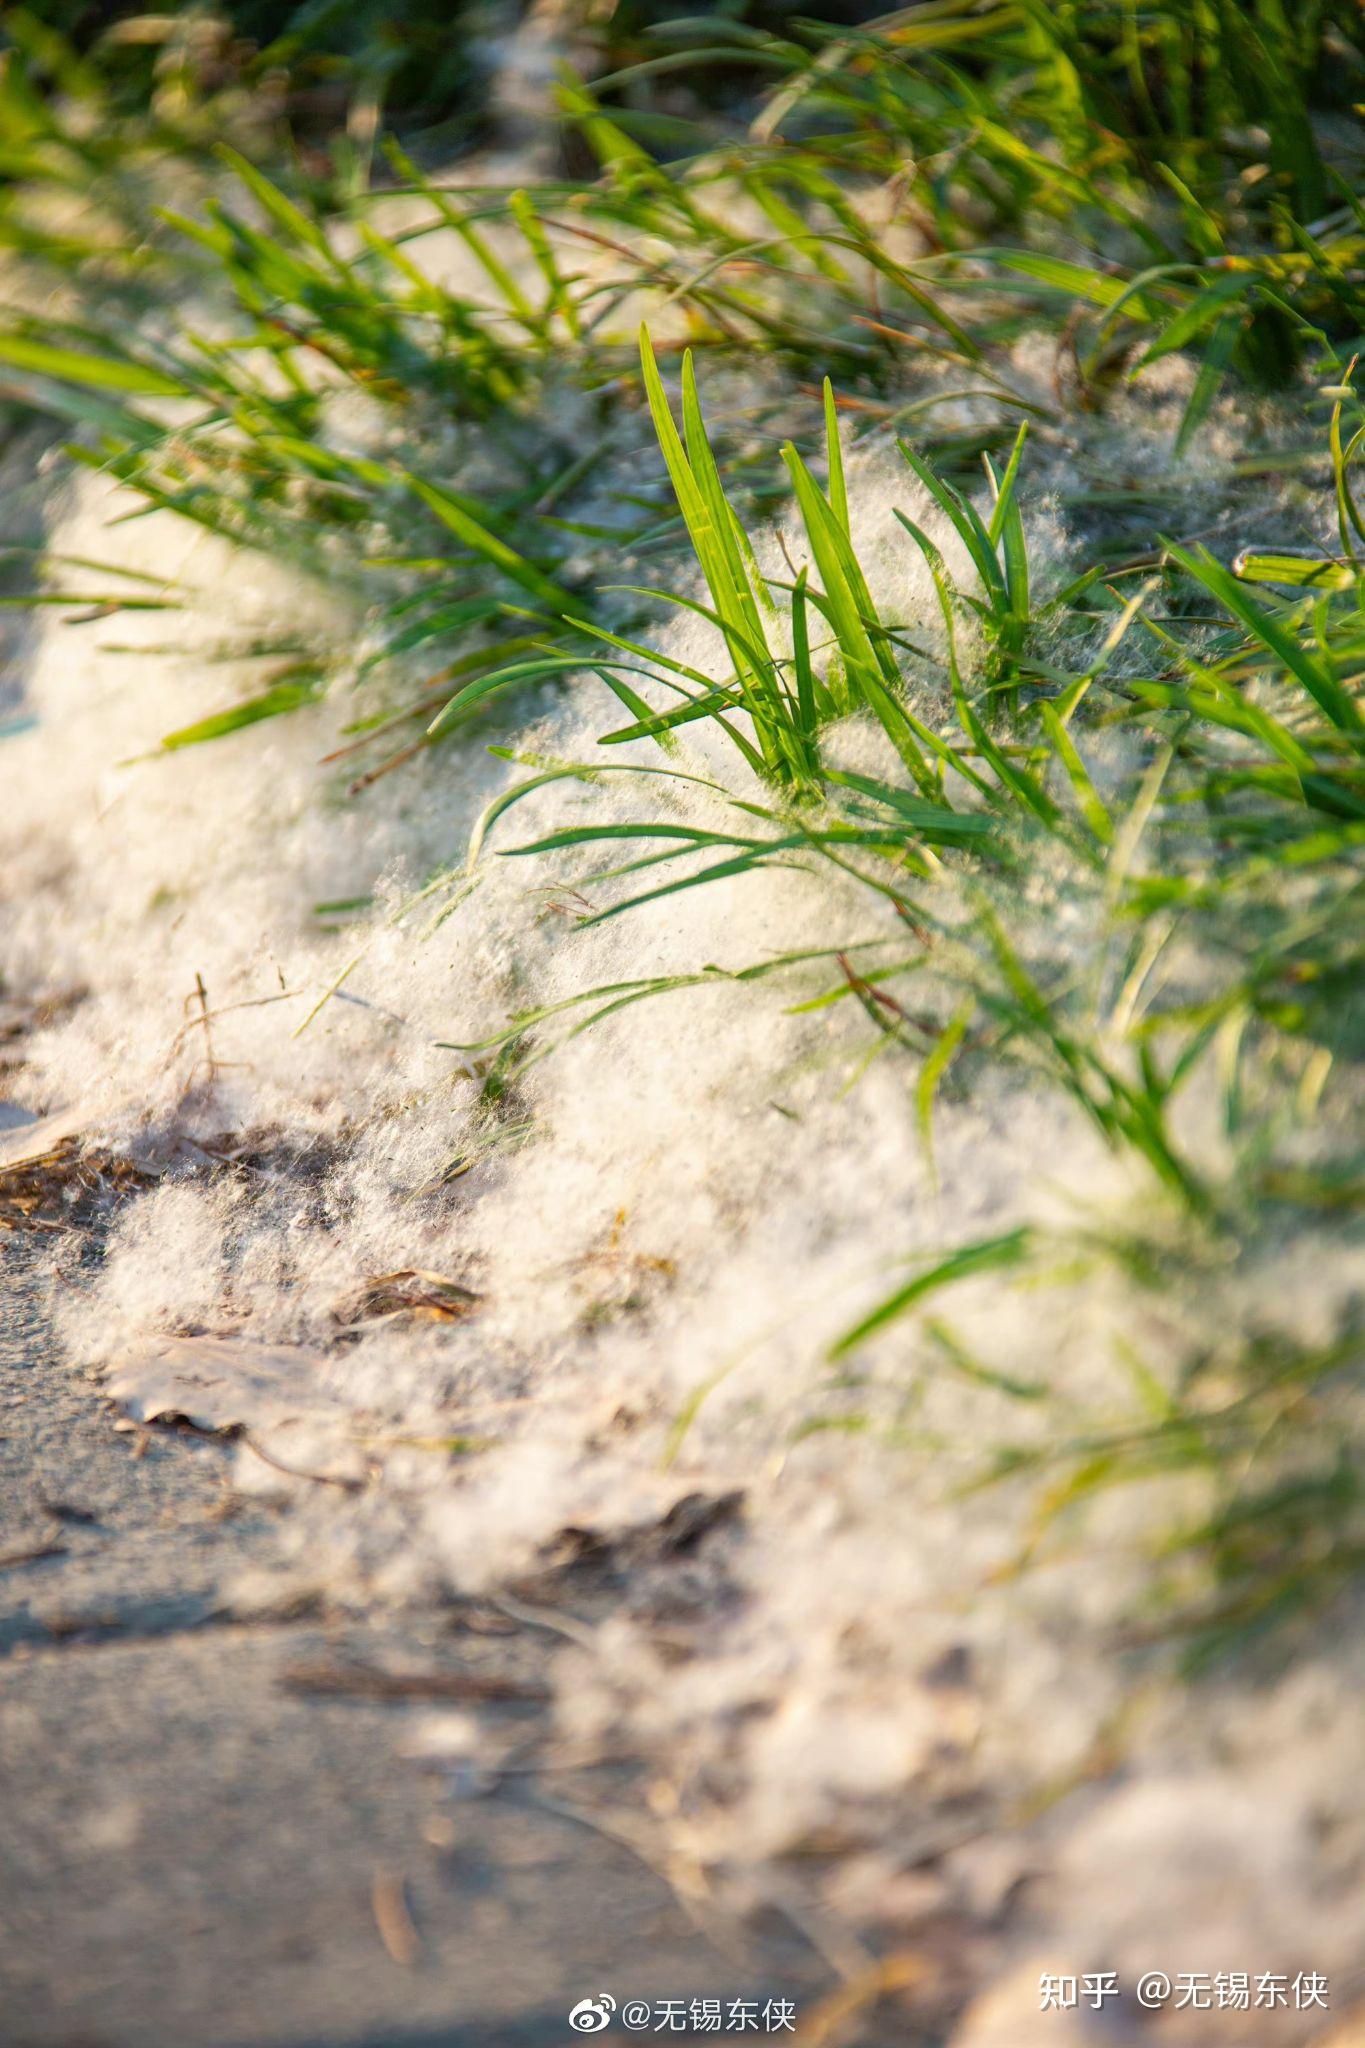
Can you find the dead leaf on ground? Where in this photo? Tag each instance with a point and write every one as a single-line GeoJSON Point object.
{"type": "Point", "coordinates": [275, 1395]}
{"type": "Point", "coordinates": [31, 1144]}
{"type": "Point", "coordinates": [412, 1291]}
{"type": "Point", "coordinates": [677, 1533]}
{"type": "Point", "coordinates": [49, 1175]}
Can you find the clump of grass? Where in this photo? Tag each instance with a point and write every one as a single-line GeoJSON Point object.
{"type": "Point", "coordinates": [1202, 264]}
{"type": "Point", "coordinates": [1237, 839]}
{"type": "Point", "coordinates": [1178, 739]}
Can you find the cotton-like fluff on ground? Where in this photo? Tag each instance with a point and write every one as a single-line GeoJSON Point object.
{"type": "Point", "coordinates": [852, 1699]}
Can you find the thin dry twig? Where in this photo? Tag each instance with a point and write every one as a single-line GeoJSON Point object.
{"type": "Point", "coordinates": [346, 1484]}
{"type": "Point", "coordinates": [368, 1681]}
{"type": "Point", "coordinates": [393, 1918]}
{"type": "Point", "coordinates": [9, 1559]}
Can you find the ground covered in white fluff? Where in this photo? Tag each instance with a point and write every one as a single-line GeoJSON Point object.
{"type": "Point", "coordinates": [852, 1698]}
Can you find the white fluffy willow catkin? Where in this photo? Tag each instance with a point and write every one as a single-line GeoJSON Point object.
{"type": "Point", "coordinates": [695, 1197]}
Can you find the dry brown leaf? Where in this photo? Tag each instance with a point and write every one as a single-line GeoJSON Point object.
{"type": "Point", "coordinates": [410, 1291]}
{"type": "Point", "coordinates": [232, 1386]}
{"type": "Point", "coordinates": [31, 1144]}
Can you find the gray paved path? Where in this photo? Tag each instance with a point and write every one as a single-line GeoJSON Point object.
{"type": "Point", "coordinates": [192, 1855]}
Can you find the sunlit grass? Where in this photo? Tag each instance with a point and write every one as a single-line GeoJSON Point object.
{"type": "Point", "coordinates": [909, 200]}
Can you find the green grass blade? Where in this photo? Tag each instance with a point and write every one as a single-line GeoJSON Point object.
{"type": "Point", "coordinates": [988, 1255]}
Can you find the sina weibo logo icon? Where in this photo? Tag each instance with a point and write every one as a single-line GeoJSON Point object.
{"type": "Point", "coordinates": [592, 2015]}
